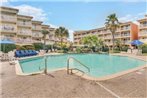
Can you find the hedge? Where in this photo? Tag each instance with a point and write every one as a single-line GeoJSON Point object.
{"type": "Point", "coordinates": [144, 48]}
{"type": "Point", "coordinates": [7, 47]}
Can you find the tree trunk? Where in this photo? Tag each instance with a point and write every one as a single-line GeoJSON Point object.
{"type": "Point", "coordinates": [113, 42]}
{"type": "Point", "coordinates": [45, 70]}
{"type": "Point", "coordinates": [61, 42]}
{"type": "Point", "coordinates": [44, 43]}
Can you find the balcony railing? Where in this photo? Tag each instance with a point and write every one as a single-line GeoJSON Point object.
{"type": "Point", "coordinates": [8, 18]}
{"type": "Point", "coordinates": [37, 34]}
{"type": "Point", "coordinates": [36, 28]}
{"type": "Point", "coordinates": [36, 41]}
{"type": "Point", "coordinates": [142, 33]}
{"type": "Point", "coordinates": [126, 42]}
{"type": "Point", "coordinates": [17, 40]}
{"type": "Point", "coordinates": [28, 24]}
{"type": "Point", "coordinates": [125, 34]}
{"type": "Point", "coordinates": [8, 28]}
{"type": "Point", "coordinates": [20, 40]}
{"type": "Point", "coordinates": [25, 32]}
{"type": "Point", "coordinates": [143, 25]}
{"type": "Point", "coordinates": [125, 28]}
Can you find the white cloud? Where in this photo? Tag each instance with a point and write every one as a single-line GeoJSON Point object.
{"type": "Point", "coordinates": [132, 18]}
{"type": "Point", "coordinates": [52, 25]}
{"type": "Point", "coordinates": [37, 13]}
{"type": "Point", "coordinates": [4, 2]}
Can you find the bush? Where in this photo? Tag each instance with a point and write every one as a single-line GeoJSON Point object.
{"type": "Point", "coordinates": [18, 47]}
{"type": "Point", "coordinates": [29, 47]}
{"type": "Point", "coordinates": [65, 49]}
{"type": "Point", "coordinates": [78, 50]}
{"type": "Point", "coordinates": [116, 51]}
{"type": "Point", "coordinates": [48, 47]}
{"type": "Point", "coordinates": [144, 48]}
{"type": "Point", "coordinates": [105, 49]}
{"type": "Point", "coordinates": [38, 46]}
{"type": "Point", "coordinates": [7, 47]}
{"type": "Point", "coordinates": [124, 48]}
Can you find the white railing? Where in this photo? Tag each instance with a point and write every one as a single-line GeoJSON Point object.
{"type": "Point", "coordinates": [20, 40]}
{"type": "Point", "coordinates": [8, 18]}
{"type": "Point", "coordinates": [125, 28]}
{"type": "Point", "coordinates": [37, 34]}
{"type": "Point", "coordinates": [36, 28]}
{"type": "Point", "coordinates": [24, 23]}
{"type": "Point", "coordinates": [143, 33]}
{"type": "Point", "coordinates": [25, 33]}
{"type": "Point", "coordinates": [7, 28]}
{"type": "Point", "coordinates": [143, 25]}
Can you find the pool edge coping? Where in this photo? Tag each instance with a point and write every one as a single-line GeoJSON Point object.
{"type": "Point", "coordinates": [19, 71]}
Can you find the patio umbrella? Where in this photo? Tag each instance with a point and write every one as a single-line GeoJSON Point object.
{"type": "Point", "coordinates": [6, 41]}
{"type": "Point", "coordinates": [136, 42]}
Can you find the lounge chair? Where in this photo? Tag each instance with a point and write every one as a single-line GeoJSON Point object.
{"type": "Point", "coordinates": [27, 52]}
{"type": "Point", "coordinates": [35, 53]}
{"type": "Point", "coordinates": [23, 53]}
{"type": "Point", "coordinates": [18, 54]}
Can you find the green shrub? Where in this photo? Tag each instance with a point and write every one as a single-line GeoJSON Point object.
{"type": "Point", "coordinates": [105, 49]}
{"type": "Point", "coordinates": [18, 47]}
{"type": "Point", "coordinates": [48, 46]}
{"type": "Point", "coordinates": [78, 50]}
{"type": "Point", "coordinates": [124, 48]}
{"type": "Point", "coordinates": [116, 51]}
{"type": "Point", "coordinates": [65, 49]}
{"type": "Point", "coordinates": [144, 48]}
{"type": "Point", "coordinates": [38, 46]}
{"type": "Point", "coordinates": [7, 47]}
{"type": "Point", "coordinates": [29, 47]}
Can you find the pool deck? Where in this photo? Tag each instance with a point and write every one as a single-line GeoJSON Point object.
{"type": "Point", "coordinates": [59, 84]}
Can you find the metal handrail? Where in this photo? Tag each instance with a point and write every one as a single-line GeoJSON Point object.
{"type": "Point", "coordinates": [76, 61]}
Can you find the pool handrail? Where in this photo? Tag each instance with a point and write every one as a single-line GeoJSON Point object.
{"type": "Point", "coordinates": [68, 60]}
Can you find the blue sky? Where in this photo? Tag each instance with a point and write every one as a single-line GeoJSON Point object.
{"type": "Point", "coordinates": [79, 14]}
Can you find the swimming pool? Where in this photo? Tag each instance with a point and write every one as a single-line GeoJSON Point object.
{"type": "Point", "coordinates": [100, 65]}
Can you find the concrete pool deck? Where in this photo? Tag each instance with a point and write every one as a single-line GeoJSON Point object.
{"type": "Point", "coordinates": [59, 84]}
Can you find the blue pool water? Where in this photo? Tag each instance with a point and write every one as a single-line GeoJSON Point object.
{"type": "Point", "coordinates": [99, 64]}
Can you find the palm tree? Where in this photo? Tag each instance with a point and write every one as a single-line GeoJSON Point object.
{"type": "Point", "coordinates": [61, 32]}
{"type": "Point", "coordinates": [112, 24]}
{"type": "Point", "coordinates": [92, 41]}
{"type": "Point", "coordinates": [45, 33]}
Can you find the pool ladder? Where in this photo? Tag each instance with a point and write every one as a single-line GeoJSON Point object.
{"type": "Point", "coordinates": [70, 70]}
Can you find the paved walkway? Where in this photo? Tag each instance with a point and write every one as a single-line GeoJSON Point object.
{"type": "Point", "coordinates": [59, 84]}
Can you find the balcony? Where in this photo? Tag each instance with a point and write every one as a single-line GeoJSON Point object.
{"type": "Point", "coordinates": [24, 24]}
{"type": "Point", "coordinates": [125, 34]}
{"type": "Point", "coordinates": [37, 35]}
{"type": "Point", "coordinates": [108, 43]}
{"type": "Point", "coordinates": [23, 41]}
{"type": "Point", "coordinates": [126, 42]}
{"type": "Point", "coordinates": [117, 36]}
{"type": "Point", "coordinates": [6, 37]}
{"type": "Point", "coordinates": [143, 40]}
{"type": "Point", "coordinates": [24, 32]}
{"type": "Point", "coordinates": [107, 37]}
{"type": "Point", "coordinates": [8, 28]}
{"type": "Point", "coordinates": [37, 28]}
{"type": "Point", "coordinates": [125, 28]}
{"type": "Point", "coordinates": [7, 18]}
{"type": "Point", "coordinates": [143, 33]}
{"type": "Point", "coordinates": [143, 26]}
{"type": "Point", "coordinates": [36, 41]}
